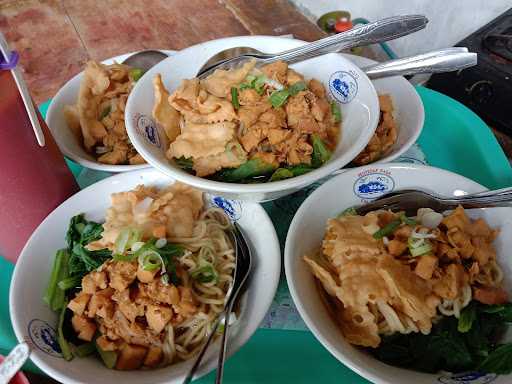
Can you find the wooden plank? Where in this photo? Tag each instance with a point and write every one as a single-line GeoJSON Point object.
{"type": "Point", "coordinates": [274, 17]}
{"type": "Point", "coordinates": [110, 28]}
{"type": "Point", "coordinates": [50, 49]}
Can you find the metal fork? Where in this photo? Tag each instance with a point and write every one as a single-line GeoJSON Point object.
{"type": "Point", "coordinates": [411, 200]}
{"type": "Point", "coordinates": [379, 31]}
{"type": "Point", "coordinates": [243, 265]}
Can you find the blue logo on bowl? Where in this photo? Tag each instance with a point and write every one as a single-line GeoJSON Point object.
{"type": "Point", "coordinates": [371, 185]}
{"type": "Point", "coordinates": [343, 86]}
{"type": "Point", "coordinates": [232, 208]}
{"type": "Point", "coordinates": [44, 337]}
{"type": "Point", "coordinates": [468, 378]}
{"type": "Point", "coordinates": [146, 128]}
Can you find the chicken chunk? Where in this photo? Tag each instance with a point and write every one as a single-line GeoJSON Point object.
{"type": "Point", "coordinates": [293, 77]}
{"type": "Point", "coordinates": [426, 266]}
{"type": "Point", "coordinates": [449, 286]}
{"type": "Point", "coordinates": [396, 247]}
{"type": "Point", "coordinates": [84, 327]}
{"type": "Point", "coordinates": [153, 357]}
{"type": "Point", "coordinates": [79, 303]}
{"type": "Point", "coordinates": [251, 139]}
{"type": "Point", "coordinates": [122, 274]}
{"type": "Point", "coordinates": [158, 316]}
{"type": "Point", "coordinates": [94, 281]}
{"type": "Point", "coordinates": [106, 344]}
{"type": "Point", "coordinates": [146, 276]}
{"type": "Point", "coordinates": [131, 357]}
{"type": "Point", "coordinates": [160, 292]}
{"type": "Point", "coordinates": [277, 71]}
{"type": "Point", "coordinates": [101, 304]}
{"type": "Point", "coordinates": [490, 296]}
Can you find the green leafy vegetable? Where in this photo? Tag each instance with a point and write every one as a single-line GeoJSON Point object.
{"type": "Point", "coordinates": [296, 88]}
{"type": "Point", "coordinates": [136, 73]}
{"type": "Point", "coordinates": [321, 154]}
{"type": "Point", "coordinates": [278, 98]}
{"type": "Point", "coordinates": [65, 347]}
{"type": "Point", "coordinates": [424, 248]}
{"type": "Point", "coordinates": [54, 296]}
{"type": "Point", "coordinates": [234, 98]}
{"type": "Point", "coordinates": [466, 318]}
{"type": "Point", "coordinates": [185, 164]}
{"type": "Point", "coordinates": [387, 229]}
{"type": "Point", "coordinates": [336, 111]}
{"type": "Point", "coordinates": [454, 345]}
{"type": "Point", "coordinates": [70, 282]}
{"type": "Point", "coordinates": [84, 350]}
{"type": "Point", "coordinates": [281, 174]}
{"type": "Point", "coordinates": [252, 168]}
{"type": "Point", "coordinates": [109, 357]}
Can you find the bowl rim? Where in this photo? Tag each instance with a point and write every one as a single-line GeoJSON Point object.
{"type": "Point", "coordinates": [248, 331]}
{"type": "Point", "coordinates": [269, 187]}
{"type": "Point", "coordinates": [52, 114]}
{"type": "Point", "coordinates": [421, 115]}
{"type": "Point", "coordinates": [289, 259]}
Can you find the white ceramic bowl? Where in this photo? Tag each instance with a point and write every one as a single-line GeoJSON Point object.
{"type": "Point", "coordinates": [360, 111]}
{"type": "Point", "coordinates": [68, 144]}
{"type": "Point", "coordinates": [35, 323]}
{"type": "Point", "coordinates": [408, 111]}
{"type": "Point", "coordinates": [348, 189]}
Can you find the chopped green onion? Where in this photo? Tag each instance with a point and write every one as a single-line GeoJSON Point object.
{"type": "Point", "coordinates": [407, 220]}
{"type": "Point", "coordinates": [250, 78]}
{"type": "Point", "coordinates": [84, 350]}
{"type": "Point", "coordinates": [151, 260]}
{"type": "Point", "coordinates": [258, 83]}
{"type": "Point", "coordinates": [121, 242]}
{"type": "Point", "coordinates": [234, 98]}
{"type": "Point", "coordinates": [165, 279]}
{"type": "Point", "coordinates": [321, 154]}
{"type": "Point", "coordinates": [70, 282]}
{"type": "Point", "coordinates": [136, 73]}
{"type": "Point", "coordinates": [278, 98]}
{"type": "Point", "coordinates": [387, 229]}
{"type": "Point", "coordinates": [160, 243]}
{"type": "Point", "coordinates": [296, 88]}
{"type": "Point", "coordinates": [205, 273]}
{"type": "Point", "coordinates": [281, 174]}
{"type": "Point", "coordinates": [103, 114]}
{"type": "Point", "coordinates": [348, 212]}
{"type": "Point", "coordinates": [63, 343]}
{"type": "Point", "coordinates": [419, 248]}
{"type": "Point", "coordinates": [109, 357]}
{"type": "Point", "coordinates": [137, 245]}
{"type": "Point", "coordinates": [336, 111]}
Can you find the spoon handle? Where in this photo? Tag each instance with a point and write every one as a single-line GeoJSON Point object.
{"type": "Point", "coordinates": [222, 352]}
{"type": "Point", "coordinates": [200, 356]}
{"type": "Point", "coordinates": [445, 60]}
{"type": "Point", "coordinates": [379, 31]}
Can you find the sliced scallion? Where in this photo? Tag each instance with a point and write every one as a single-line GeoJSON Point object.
{"type": "Point", "coordinates": [234, 98]}
{"type": "Point", "coordinates": [387, 229]}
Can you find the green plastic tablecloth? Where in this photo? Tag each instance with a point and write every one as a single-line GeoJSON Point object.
{"type": "Point", "coordinates": [453, 138]}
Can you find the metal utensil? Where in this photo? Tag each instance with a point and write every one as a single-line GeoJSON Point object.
{"type": "Point", "coordinates": [13, 362]}
{"type": "Point", "coordinates": [379, 31]}
{"type": "Point", "coordinates": [411, 200]}
{"type": "Point", "coordinates": [242, 269]}
{"type": "Point", "coordinates": [444, 60]}
{"type": "Point", "coordinates": [145, 59]}
{"type": "Point", "coordinates": [241, 274]}
{"type": "Point", "coordinates": [25, 95]}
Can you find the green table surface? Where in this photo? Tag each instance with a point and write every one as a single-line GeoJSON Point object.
{"type": "Point", "coordinates": [453, 138]}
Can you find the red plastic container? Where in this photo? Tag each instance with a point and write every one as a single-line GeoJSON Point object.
{"type": "Point", "coordinates": [33, 179]}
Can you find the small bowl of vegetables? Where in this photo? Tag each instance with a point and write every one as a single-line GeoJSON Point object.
{"type": "Point", "coordinates": [251, 133]}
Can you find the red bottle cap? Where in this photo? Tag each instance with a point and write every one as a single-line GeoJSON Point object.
{"type": "Point", "coordinates": [343, 25]}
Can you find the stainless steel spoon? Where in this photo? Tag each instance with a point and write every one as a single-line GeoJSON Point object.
{"type": "Point", "coordinates": [242, 269]}
{"type": "Point", "coordinates": [379, 31]}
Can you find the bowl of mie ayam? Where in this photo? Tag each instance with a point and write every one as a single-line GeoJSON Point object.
{"type": "Point", "coordinates": [344, 84]}
{"type": "Point", "coordinates": [321, 307]}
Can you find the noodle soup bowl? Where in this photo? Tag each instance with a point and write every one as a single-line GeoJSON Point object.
{"type": "Point", "coordinates": [36, 324]}
{"type": "Point", "coordinates": [344, 82]}
{"type": "Point", "coordinates": [356, 187]}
